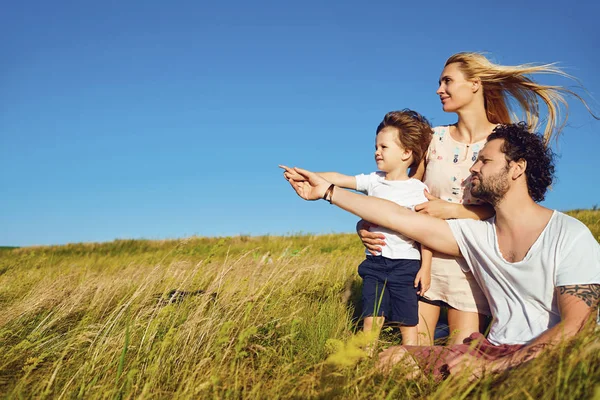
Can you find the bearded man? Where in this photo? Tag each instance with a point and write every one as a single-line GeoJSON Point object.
{"type": "Point", "coordinates": [538, 268]}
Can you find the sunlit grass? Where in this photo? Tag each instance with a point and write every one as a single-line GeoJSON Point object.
{"type": "Point", "coordinates": [241, 317]}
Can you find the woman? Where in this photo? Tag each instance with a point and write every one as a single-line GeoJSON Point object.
{"type": "Point", "coordinates": [477, 91]}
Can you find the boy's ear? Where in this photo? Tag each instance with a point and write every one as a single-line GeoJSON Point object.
{"type": "Point", "coordinates": [407, 154]}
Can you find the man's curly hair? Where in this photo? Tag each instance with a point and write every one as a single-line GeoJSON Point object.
{"type": "Point", "coordinates": [519, 144]}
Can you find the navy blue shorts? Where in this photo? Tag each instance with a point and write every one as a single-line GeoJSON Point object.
{"type": "Point", "coordinates": [388, 289]}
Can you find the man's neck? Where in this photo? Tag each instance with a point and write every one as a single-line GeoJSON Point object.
{"type": "Point", "coordinates": [515, 212]}
{"type": "Point", "coordinates": [519, 223]}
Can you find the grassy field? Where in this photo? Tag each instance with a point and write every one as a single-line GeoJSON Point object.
{"type": "Point", "coordinates": [240, 317]}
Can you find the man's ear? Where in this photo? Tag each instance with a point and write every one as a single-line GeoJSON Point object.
{"type": "Point", "coordinates": [519, 168]}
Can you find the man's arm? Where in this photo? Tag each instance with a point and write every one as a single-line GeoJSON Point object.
{"type": "Point", "coordinates": [432, 232]}
{"type": "Point", "coordinates": [576, 303]}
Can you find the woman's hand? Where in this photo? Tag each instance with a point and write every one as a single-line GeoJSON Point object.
{"type": "Point", "coordinates": [372, 241]}
{"type": "Point", "coordinates": [307, 185]}
{"type": "Point", "coordinates": [436, 207]}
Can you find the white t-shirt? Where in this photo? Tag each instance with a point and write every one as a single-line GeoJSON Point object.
{"type": "Point", "coordinates": [522, 294]}
{"type": "Point", "coordinates": [406, 193]}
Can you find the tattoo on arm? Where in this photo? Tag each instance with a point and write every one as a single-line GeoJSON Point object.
{"type": "Point", "coordinates": [590, 294]}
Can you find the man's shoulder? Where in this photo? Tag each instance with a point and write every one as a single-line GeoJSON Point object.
{"type": "Point", "coordinates": [578, 251]}
{"type": "Point", "coordinates": [564, 224]}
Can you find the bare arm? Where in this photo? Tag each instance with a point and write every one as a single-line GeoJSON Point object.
{"type": "Point", "coordinates": [418, 172]}
{"type": "Point", "coordinates": [432, 232]}
{"type": "Point", "coordinates": [444, 209]}
{"type": "Point", "coordinates": [439, 208]}
{"type": "Point", "coordinates": [341, 180]}
{"type": "Point", "coordinates": [424, 275]}
{"type": "Point", "coordinates": [576, 304]}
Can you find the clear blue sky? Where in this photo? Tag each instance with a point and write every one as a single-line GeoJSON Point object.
{"type": "Point", "coordinates": [146, 119]}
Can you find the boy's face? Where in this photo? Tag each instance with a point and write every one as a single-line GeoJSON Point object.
{"type": "Point", "coordinates": [389, 153]}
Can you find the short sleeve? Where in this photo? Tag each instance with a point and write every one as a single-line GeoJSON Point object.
{"type": "Point", "coordinates": [456, 226]}
{"type": "Point", "coordinates": [418, 197]}
{"type": "Point", "coordinates": [364, 182]}
{"type": "Point", "coordinates": [580, 264]}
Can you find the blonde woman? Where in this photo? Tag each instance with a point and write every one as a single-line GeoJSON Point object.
{"type": "Point", "coordinates": [477, 91]}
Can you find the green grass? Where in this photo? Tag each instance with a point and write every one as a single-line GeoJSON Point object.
{"type": "Point", "coordinates": [239, 317]}
{"type": "Point", "coordinates": [5, 248]}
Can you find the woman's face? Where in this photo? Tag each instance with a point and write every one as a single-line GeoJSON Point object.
{"type": "Point", "coordinates": [455, 91]}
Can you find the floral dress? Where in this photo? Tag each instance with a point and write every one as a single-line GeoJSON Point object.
{"type": "Point", "coordinates": [447, 176]}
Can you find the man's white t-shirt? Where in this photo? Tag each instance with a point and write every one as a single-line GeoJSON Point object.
{"type": "Point", "coordinates": [522, 294]}
{"type": "Point", "coordinates": [407, 193]}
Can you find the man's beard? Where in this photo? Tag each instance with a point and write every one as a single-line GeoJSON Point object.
{"type": "Point", "coordinates": [492, 189]}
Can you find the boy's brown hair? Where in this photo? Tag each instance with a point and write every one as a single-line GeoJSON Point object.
{"type": "Point", "coordinates": [414, 131]}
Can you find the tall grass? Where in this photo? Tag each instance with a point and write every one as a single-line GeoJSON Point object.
{"type": "Point", "coordinates": [221, 318]}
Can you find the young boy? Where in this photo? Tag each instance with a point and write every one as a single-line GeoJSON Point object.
{"type": "Point", "coordinates": [392, 278]}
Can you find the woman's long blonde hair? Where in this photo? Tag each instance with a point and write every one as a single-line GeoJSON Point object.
{"type": "Point", "coordinates": [501, 81]}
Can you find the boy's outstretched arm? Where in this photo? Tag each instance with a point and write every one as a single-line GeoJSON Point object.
{"type": "Point", "coordinates": [432, 232]}
{"type": "Point", "coordinates": [341, 180]}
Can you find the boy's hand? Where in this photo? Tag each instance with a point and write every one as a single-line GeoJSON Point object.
{"type": "Point", "coordinates": [424, 278]}
{"type": "Point", "coordinates": [289, 173]}
{"type": "Point", "coordinates": [307, 185]}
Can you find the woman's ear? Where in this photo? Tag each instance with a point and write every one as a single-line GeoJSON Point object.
{"type": "Point", "coordinates": [475, 85]}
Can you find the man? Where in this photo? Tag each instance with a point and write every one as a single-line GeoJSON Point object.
{"type": "Point", "coordinates": [539, 268]}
